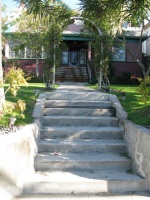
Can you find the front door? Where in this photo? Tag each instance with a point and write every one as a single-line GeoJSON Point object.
{"type": "Point", "coordinates": [74, 58]}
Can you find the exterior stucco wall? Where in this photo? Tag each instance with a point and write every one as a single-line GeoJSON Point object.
{"type": "Point", "coordinates": [146, 43]}
{"type": "Point", "coordinates": [131, 67]}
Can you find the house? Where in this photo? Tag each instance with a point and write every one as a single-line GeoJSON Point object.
{"type": "Point", "coordinates": [146, 43]}
{"type": "Point", "coordinates": [77, 62]}
{"type": "Point", "coordinates": [122, 59]}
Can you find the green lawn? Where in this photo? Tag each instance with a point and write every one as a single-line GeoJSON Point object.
{"type": "Point", "coordinates": [27, 94]}
{"type": "Point", "coordinates": [138, 112]}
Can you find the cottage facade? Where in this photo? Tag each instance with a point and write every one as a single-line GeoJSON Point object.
{"type": "Point", "coordinates": [77, 62]}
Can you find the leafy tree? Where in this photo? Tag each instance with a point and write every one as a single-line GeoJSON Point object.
{"type": "Point", "coordinates": [109, 16]}
{"type": "Point", "coordinates": [54, 17]}
{"type": "Point", "coordinates": [30, 34]}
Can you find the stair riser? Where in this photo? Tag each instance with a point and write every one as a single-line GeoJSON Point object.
{"type": "Point", "coordinates": [80, 122]}
{"type": "Point", "coordinates": [53, 134]}
{"type": "Point", "coordinates": [85, 188]}
{"type": "Point", "coordinates": [82, 165]}
{"type": "Point", "coordinates": [76, 104]}
{"type": "Point", "coordinates": [78, 96]}
{"type": "Point", "coordinates": [79, 112]}
{"type": "Point", "coordinates": [65, 148]}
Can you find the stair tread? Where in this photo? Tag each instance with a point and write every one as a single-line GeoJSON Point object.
{"type": "Point", "coordinates": [58, 156]}
{"type": "Point", "coordinates": [83, 128]}
{"type": "Point", "coordinates": [102, 196]}
{"type": "Point", "coordinates": [82, 141]}
{"type": "Point", "coordinates": [70, 176]}
{"type": "Point", "coordinates": [77, 101]}
{"type": "Point", "coordinates": [80, 117]}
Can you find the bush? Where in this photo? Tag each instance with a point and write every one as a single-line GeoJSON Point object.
{"type": "Point", "coordinates": [144, 89]}
{"type": "Point", "coordinates": [125, 78]}
{"type": "Point", "coordinates": [35, 79]}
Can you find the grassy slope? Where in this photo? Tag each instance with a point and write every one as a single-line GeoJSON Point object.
{"type": "Point", "coordinates": [138, 112]}
{"type": "Point", "coordinates": [27, 94]}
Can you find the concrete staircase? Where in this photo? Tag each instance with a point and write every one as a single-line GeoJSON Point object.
{"type": "Point", "coordinates": [76, 74]}
{"type": "Point", "coordinates": [81, 150]}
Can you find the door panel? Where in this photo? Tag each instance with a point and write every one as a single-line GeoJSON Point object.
{"type": "Point", "coordinates": [73, 58]}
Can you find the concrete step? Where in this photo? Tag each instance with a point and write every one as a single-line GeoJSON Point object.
{"type": "Point", "coordinates": [80, 121]}
{"type": "Point", "coordinates": [102, 196]}
{"type": "Point", "coordinates": [80, 146]}
{"type": "Point", "coordinates": [77, 104]}
{"type": "Point", "coordinates": [76, 182]}
{"type": "Point", "coordinates": [81, 162]}
{"type": "Point", "coordinates": [87, 96]}
{"type": "Point", "coordinates": [80, 132]}
{"type": "Point", "coordinates": [79, 111]}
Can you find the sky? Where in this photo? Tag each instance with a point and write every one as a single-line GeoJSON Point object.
{"type": "Point", "coordinates": [12, 4]}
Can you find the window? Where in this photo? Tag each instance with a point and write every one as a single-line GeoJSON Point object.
{"type": "Point", "coordinates": [65, 57]}
{"type": "Point", "coordinates": [26, 53]}
{"type": "Point", "coordinates": [12, 53]}
{"type": "Point", "coordinates": [73, 57]}
{"type": "Point", "coordinates": [82, 57]}
{"type": "Point", "coordinates": [118, 53]}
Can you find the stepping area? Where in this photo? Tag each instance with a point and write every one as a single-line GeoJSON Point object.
{"type": "Point", "coordinates": [81, 149]}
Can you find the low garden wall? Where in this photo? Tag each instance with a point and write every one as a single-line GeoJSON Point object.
{"type": "Point", "coordinates": [137, 139]}
{"type": "Point", "coordinates": [18, 151]}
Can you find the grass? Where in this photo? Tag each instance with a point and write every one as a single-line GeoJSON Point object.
{"type": "Point", "coordinates": [27, 94]}
{"type": "Point", "coordinates": [138, 112]}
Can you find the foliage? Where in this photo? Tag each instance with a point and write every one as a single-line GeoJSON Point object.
{"type": "Point", "coordinates": [110, 15]}
{"type": "Point", "coordinates": [15, 78]}
{"type": "Point", "coordinates": [42, 25]}
{"type": "Point", "coordinates": [26, 94]}
{"type": "Point", "coordinates": [132, 103]}
{"type": "Point", "coordinates": [14, 109]}
{"type": "Point", "coordinates": [102, 57]}
{"type": "Point", "coordinates": [20, 107]}
{"type": "Point", "coordinates": [144, 89]}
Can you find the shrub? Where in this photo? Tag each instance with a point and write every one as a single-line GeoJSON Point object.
{"type": "Point", "coordinates": [144, 89]}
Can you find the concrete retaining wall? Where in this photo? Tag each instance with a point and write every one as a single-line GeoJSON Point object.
{"type": "Point", "coordinates": [17, 153]}
{"type": "Point", "coordinates": [137, 140]}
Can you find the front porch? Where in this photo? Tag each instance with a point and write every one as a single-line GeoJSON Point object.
{"type": "Point", "coordinates": [75, 60]}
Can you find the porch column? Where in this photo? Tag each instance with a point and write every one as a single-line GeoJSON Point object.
{"type": "Point", "coordinates": [7, 50]}
{"type": "Point", "coordinates": [89, 59]}
{"type": "Point", "coordinates": [89, 52]}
